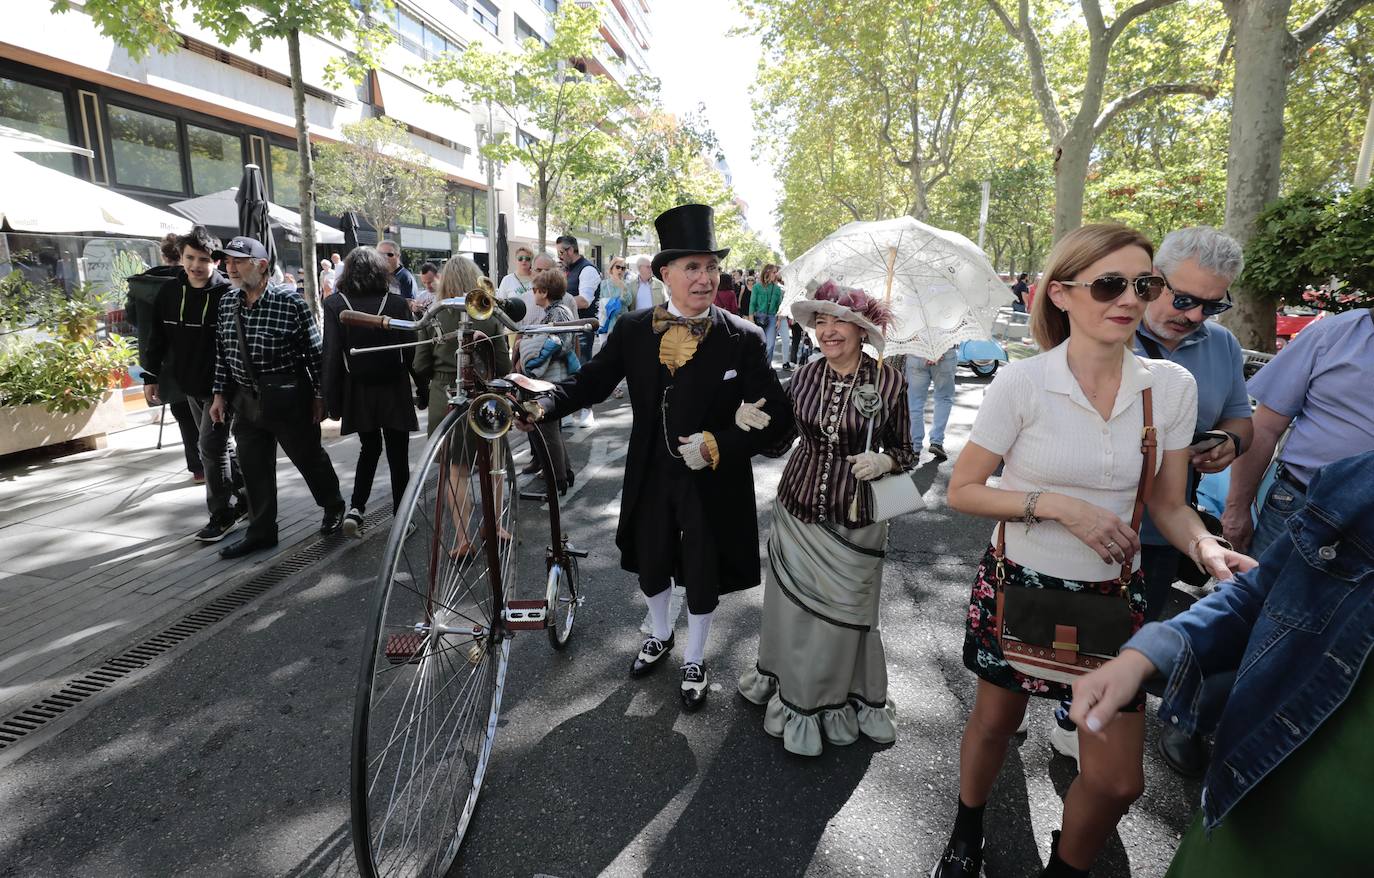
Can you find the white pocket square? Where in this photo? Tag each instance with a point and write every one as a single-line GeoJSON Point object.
{"type": "Point", "coordinates": [728, 375]}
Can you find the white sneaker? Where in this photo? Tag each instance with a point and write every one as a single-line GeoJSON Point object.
{"type": "Point", "coordinates": [586, 419]}
{"type": "Point", "coordinates": [1064, 742]}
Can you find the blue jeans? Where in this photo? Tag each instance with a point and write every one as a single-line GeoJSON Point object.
{"type": "Point", "coordinates": [770, 335]}
{"type": "Point", "coordinates": [919, 377]}
{"type": "Point", "coordinates": [1284, 499]}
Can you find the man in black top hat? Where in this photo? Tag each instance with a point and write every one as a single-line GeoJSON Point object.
{"type": "Point", "coordinates": [688, 509]}
{"type": "Point", "coordinates": [268, 356]}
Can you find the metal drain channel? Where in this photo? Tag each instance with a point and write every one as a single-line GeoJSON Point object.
{"type": "Point", "coordinates": [34, 717]}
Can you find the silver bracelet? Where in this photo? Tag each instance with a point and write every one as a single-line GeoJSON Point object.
{"type": "Point", "coordinates": [1028, 512]}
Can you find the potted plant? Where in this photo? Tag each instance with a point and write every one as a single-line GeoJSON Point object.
{"type": "Point", "coordinates": [56, 376]}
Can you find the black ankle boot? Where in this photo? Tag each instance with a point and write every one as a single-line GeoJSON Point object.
{"type": "Point", "coordinates": [1057, 868]}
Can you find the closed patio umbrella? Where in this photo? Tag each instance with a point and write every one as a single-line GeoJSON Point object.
{"type": "Point", "coordinates": [502, 248]}
{"type": "Point", "coordinates": [254, 216]}
{"type": "Point", "coordinates": [348, 224]}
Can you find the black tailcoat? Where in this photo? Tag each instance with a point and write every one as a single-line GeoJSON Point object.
{"type": "Point", "coordinates": [729, 367]}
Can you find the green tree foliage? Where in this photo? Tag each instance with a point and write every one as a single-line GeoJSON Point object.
{"type": "Point", "coordinates": [562, 115]}
{"type": "Point", "coordinates": [630, 174]}
{"type": "Point", "coordinates": [1309, 238]}
{"type": "Point", "coordinates": [873, 104]}
{"type": "Point", "coordinates": [376, 173]}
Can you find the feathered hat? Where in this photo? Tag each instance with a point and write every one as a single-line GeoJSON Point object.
{"type": "Point", "coordinates": [855, 306]}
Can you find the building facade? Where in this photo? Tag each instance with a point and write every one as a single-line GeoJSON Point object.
{"type": "Point", "coordinates": [175, 126]}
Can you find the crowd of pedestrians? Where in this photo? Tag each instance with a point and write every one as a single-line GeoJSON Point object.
{"type": "Point", "coordinates": [1086, 458]}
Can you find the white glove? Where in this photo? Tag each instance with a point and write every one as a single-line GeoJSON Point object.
{"type": "Point", "coordinates": [691, 451]}
{"type": "Point", "coordinates": [751, 416]}
{"type": "Point", "coordinates": [870, 464]}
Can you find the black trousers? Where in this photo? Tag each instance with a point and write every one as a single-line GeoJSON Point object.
{"type": "Point", "coordinates": [397, 461]}
{"type": "Point", "coordinates": [673, 537]}
{"type": "Point", "coordinates": [189, 427]}
{"type": "Point", "coordinates": [222, 476]}
{"type": "Point", "coordinates": [257, 441]}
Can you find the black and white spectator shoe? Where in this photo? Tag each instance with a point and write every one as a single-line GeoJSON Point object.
{"type": "Point", "coordinates": [694, 683]}
{"type": "Point", "coordinates": [650, 655]}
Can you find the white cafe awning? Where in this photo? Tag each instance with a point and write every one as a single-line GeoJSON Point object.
{"type": "Point", "coordinates": [43, 201]}
{"type": "Point", "coordinates": [15, 140]}
{"type": "Point", "coordinates": [219, 210]}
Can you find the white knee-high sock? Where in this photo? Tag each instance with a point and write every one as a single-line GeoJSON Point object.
{"type": "Point", "coordinates": [658, 613]}
{"type": "Point", "coordinates": [698, 629]}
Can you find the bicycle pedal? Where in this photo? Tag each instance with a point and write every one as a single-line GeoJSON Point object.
{"type": "Point", "coordinates": [404, 648]}
{"type": "Point", "coordinates": [525, 615]}
{"type": "Point", "coordinates": [575, 552]}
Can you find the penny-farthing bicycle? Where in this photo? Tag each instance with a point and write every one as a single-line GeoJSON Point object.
{"type": "Point", "coordinates": [434, 662]}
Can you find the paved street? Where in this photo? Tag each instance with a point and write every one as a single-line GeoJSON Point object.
{"type": "Point", "coordinates": [229, 756]}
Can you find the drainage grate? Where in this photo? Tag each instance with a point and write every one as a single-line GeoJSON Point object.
{"type": "Point", "coordinates": [36, 716]}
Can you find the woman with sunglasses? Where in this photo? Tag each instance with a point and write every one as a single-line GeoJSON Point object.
{"type": "Point", "coordinates": [1066, 425]}
{"type": "Point", "coordinates": [519, 284]}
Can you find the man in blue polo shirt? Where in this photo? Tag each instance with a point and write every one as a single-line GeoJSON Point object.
{"type": "Point", "coordinates": [1199, 265]}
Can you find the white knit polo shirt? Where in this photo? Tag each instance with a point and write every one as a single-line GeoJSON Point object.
{"type": "Point", "coordinates": [1051, 438]}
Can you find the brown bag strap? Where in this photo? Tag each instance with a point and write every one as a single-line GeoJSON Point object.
{"type": "Point", "coordinates": [1149, 443]}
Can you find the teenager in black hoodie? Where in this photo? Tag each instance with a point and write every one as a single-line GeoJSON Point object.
{"type": "Point", "coordinates": [187, 311]}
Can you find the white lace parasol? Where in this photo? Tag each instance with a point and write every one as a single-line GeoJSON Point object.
{"type": "Point", "coordinates": [944, 289]}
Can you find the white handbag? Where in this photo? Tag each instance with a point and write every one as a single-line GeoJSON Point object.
{"type": "Point", "coordinates": [895, 495]}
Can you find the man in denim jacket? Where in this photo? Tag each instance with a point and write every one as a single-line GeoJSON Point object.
{"type": "Point", "coordinates": [1298, 629]}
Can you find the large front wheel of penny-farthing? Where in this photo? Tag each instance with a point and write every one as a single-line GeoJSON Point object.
{"type": "Point", "coordinates": [434, 662]}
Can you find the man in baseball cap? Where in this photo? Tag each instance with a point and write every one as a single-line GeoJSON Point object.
{"type": "Point", "coordinates": [242, 247]}
{"type": "Point", "coordinates": [268, 366]}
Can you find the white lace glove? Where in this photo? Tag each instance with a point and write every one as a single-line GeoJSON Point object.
{"type": "Point", "coordinates": [751, 416]}
{"type": "Point", "coordinates": [691, 451]}
{"type": "Point", "coordinates": [870, 464]}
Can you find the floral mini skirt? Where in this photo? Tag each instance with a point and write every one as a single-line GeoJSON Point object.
{"type": "Point", "coordinates": [982, 653]}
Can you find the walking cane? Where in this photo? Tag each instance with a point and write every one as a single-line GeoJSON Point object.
{"type": "Point", "coordinates": [161, 418]}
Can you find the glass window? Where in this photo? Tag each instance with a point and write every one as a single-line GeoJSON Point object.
{"type": "Point", "coordinates": [435, 42]}
{"type": "Point", "coordinates": [461, 4]}
{"type": "Point", "coordinates": [479, 211]}
{"type": "Point", "coordinates": [40, 111]}
{"type": "Point", "coordinates": [286, 177]}
{"type": "Point", "coordinates": [524, 32]}
{"type": "Point", "coordinates": [526, 202]}
{"type": "Point", "coordinates": [146, 149]}
{"type": "Point", "coordinates": [412, 29]}
{"type": "Point", "coordinates": [216, 159]}
{"type": "Point", "coordinates": [488, 15]}
{"type": "Point", "coordinates": [462, 209]}
{"type": "Point", "coordinates": [551, 5]}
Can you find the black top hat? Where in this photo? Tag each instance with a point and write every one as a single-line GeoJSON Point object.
{"type": "Point", "coordinates": [686, 230]}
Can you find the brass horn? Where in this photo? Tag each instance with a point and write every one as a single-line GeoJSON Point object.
{"type": "Point", "coordinates": [479, 303]}
{"type": "Point", "coordinates": [490, 416]}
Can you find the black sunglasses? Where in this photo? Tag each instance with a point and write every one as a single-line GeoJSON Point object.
{"type": "Point", "coordinates": [524, 259]}
{"type": "Point", "coordinates": [1109, 287]}
{"type": "Point", "coordinates": [1210, 307]}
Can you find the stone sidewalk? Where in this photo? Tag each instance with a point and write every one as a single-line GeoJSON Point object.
{"type": "Point", "coordinates": [96, 546]}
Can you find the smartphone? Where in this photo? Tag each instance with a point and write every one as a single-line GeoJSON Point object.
{"type": "Point", "coordinates": [1207, 441]}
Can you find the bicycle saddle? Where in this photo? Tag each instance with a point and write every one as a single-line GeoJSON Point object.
{"type": "Point", "coordinates": [532, 386]}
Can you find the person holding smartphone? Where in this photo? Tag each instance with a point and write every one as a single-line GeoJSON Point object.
{"type": "Point", "coordinates": [1198, 266]}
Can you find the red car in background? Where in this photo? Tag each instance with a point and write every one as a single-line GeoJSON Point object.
{"type": "Point", "coordinates": [1291, 321]}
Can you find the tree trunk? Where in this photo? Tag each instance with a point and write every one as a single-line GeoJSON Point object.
{"type": "Point", "coordinates": [543, 212]}
{"type": "Point", "coordinates": [1070, 181]}
{"type": "Point", "coordinates": [1256, 146]}
{"type": "Point", "coordinates": [310, 274]}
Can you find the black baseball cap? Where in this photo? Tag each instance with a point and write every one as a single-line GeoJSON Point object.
{"type": "Point", "coordinates": [243, 247]}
